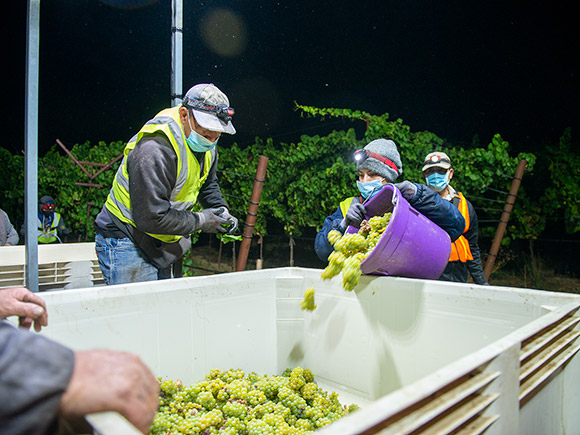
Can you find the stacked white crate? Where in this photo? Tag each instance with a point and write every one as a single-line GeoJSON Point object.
{"type": "Point", "coordinates": [60, 266]}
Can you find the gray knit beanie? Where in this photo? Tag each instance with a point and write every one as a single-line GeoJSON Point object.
{"type": "Point", "coordinates": [385, 148]}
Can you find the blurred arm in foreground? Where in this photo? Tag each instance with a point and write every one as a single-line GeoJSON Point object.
{"type": "Point", "coordinates": [41, 380]}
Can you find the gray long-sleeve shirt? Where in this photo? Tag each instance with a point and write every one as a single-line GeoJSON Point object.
{"type": "Point", "coordinates": [8, 234]}
{"type": "Point", "coordinates": [34, 373]}
{"type": "Point", "coordinates": [152, 169]}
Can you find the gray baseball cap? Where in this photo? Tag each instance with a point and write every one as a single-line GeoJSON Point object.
{"type": "Point", "coordinates": [211, 107]}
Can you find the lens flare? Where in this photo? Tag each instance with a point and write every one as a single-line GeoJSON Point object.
{"type": "Point", "coordinates": [224, 32]}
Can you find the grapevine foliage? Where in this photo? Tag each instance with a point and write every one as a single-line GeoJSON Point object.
{"type": "Point", "coordinates": [306, 180]}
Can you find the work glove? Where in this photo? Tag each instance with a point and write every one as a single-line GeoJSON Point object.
{"type": "Point", "coordinates": [233, 221]}
{"type": "Point", "coordinates": [408, 189]}
{"type": "Point", "coordinates": [212, 220]}
{"type": "Point", "coordinates": [354, 215]}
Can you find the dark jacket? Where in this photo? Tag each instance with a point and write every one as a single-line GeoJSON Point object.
{"type": "Point", "coordinates": [34, 373]}
{"type": "Point", "coordinates": [456, 270]}
{"type": "Point", "coordinates": [152, 168]}
{"type": "Point", "coordinates": [426, 201]}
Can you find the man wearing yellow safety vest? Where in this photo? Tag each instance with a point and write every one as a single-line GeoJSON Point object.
{"type": "Point", "coordinates": [168, 167]}
{"type": "Point", "coordinates": [465, 255]}
{"type": "Point", "coordinates": [51, 225]}
{"type": "Point", "coordinates": [379, 163]}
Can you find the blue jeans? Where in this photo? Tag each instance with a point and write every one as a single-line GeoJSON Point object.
{"type": "Point", "coordinates": [122, 262]}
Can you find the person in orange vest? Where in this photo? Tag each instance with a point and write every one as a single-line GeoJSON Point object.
{"type": "Point", "coordinates": [465, 255]}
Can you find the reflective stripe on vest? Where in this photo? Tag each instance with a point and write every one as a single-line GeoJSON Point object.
{"type": "Point", "coordinates": [345, 205]}
{"type": "Point", "coordinates": [189, 179]}
{"type": "Point", "coordinates": [49, 234]}
{"type": "Point", "coordinates": [460, 250]}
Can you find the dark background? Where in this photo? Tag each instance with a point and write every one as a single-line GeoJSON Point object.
{"type": "Point", "coordinates": [455, 68]}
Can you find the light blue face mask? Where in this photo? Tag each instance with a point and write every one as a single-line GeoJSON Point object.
{"type": "Point", "coordinates": [370, 188]}
{"type": "Point", "coordinates": [197, 142]}
{"type": "Point", "coordinates": [437, 181]}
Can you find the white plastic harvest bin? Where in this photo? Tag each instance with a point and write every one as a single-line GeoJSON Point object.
{"type": "Point", "coordinates": [417, 355]}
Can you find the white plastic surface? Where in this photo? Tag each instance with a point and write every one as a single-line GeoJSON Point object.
{"type": "Point", "coordinates": [60, 266]}
{"type": "Point", "coordinates": [390, 345]}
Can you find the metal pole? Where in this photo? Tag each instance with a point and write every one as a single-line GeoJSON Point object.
{"type": "Point", "coordinates": [507, 209]}
{"type": "Point", "coordinates": [252, 213]}
{"type": "Point", "coordinates": [176, 52]}
{"type": "Point", "coordinates": [31, 144]}
{"type": "Point", "coordinates": [177, 78]}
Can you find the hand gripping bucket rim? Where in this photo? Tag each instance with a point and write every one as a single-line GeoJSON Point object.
{"type": "Point", "coordinates": [411, 245]}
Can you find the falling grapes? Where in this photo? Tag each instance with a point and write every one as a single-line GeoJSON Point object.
{"type": "Point", "coordinates": [349, 252]}
{"type": "Point", "coordinates": [308, 302]}
{"type": "Point", "coordinates": [351, 249]}
{"type": "Point", "coordinates": [231, 402]}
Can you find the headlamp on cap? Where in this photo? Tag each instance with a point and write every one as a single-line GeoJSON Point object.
{"type": "Point", "coordinates": [362, 154]}
{"type": "Point", "coordinates": [223, 112]}
{"type": "Point", "coordinates": [436, 158]}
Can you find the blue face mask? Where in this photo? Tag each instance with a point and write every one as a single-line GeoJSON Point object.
{"type": "Point", "coordinates": [370, 188]}
{"type": "Point", "coordinates": [198, 143]}
{"type": "Point", "coordinates": [437, 181]}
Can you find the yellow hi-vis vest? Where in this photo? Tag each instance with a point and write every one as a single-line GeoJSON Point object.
{"type": "Point", "coordinates": [345, 205]}
{"type": "Point", "coordinates": [460, 248]}
{"type": "Point", "coordinates": [48, 234]}
{"type": "Point", "coordinates": [189, 177]}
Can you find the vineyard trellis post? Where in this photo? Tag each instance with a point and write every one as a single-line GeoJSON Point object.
{"type": "Point", "coordinates": [252, 213]}
{"type": "Point", "coordinates": [502, 225]}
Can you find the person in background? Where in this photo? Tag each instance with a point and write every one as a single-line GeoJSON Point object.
{"type": "Point", "coordinates": [51, 227]}
{"type": "Point", "coordinates": [169, 166]}
{"type": "Point", "coordinates": [41, 380]}
{"type": "Point", "coordinates": [8, 235]}
{"type": "Point", "coordinates": [378, 164]}
{"type": "Point", "coordinates": [465, 254]}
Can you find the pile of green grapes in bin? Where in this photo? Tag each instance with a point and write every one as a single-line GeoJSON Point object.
{"type": "Point", "coordinates": [351, 249]}
{"type": "Point", "coordinates": [233, 403]}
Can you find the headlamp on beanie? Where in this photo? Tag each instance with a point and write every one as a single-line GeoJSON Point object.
{"type": "Point", "coordinates": [362, 154]}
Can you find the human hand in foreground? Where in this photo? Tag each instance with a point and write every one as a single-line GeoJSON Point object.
{"type": "Point", "coordinates": [233, 221]}
{"type": "Point", "coordinates": [28, 306]}
{"type": "Point", "coordinates": [212, 220]}
{"type": "Point", "coordinates": [354, 215]}
{"type": "Point", "coordinates": [107, 380]}
{"type": "Point", "coordinates": [408, 189]}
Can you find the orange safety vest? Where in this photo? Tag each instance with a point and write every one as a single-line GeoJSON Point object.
{"type": "Point", "coordinates": [460, 250]}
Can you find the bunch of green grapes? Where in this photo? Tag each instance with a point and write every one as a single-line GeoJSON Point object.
{"type": "Point", "coordinates": [308, 302]}
{"type": "Point", "coordinates": [247, 405]}
{"type": "Point", "coordinates": [335, 262]}
{"type": "Point", "coordinates": [374, 229]}
{"type": "Point", "coordinates": [351, 249]}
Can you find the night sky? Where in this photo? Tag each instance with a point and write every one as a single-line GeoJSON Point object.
{"type": "Point", "coordinates": [455, 68]}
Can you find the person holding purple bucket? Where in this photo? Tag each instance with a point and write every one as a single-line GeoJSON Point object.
{"type": "Point", "coordinates": [379, 164]}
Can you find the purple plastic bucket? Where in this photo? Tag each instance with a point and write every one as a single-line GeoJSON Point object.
{"type": "Point", "coordinates": [411, 245]}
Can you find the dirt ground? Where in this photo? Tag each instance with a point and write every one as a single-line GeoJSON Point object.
{"type": "Point", "coordinates": [548, 281]}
